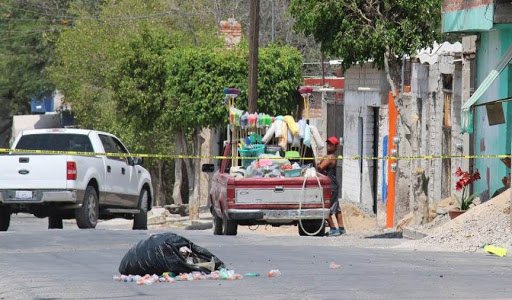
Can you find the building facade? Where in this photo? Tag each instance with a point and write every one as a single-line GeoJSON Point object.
{"type": "Point", "coordinates": [487, 26]}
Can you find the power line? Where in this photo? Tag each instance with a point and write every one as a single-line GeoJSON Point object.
{"type": "Point", "coordinates": [29, 31]}
{"type": "Point", "coordinates": [69, 18]}
{"type": "Point", "coordinates": [168, 12]}
{"type": "Point", "coordinates": [27, 10]}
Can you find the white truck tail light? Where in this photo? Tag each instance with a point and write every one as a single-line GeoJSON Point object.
{"type": "Point", "coordinates": [71, 170]}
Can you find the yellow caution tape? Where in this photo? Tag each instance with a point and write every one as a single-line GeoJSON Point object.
{"type": "Point", "coordinates": [177, 156]}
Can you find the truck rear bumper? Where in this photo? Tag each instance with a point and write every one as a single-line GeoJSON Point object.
{"type": "Point", "coordinates": [42, 196]}
{"type": "Point", "coordinates": [278, 215]}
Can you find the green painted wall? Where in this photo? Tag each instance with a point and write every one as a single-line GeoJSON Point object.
{"type": "Point", "coordinates": [475, 19]}
{"type": "Point", "coordinates": [492, 139]}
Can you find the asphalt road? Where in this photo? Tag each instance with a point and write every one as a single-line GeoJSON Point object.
{"type": "Point", "coordinates": [36, 263]}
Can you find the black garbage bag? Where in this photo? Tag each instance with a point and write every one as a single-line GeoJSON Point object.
{"type": "Point", "coordinates": [168, 252]}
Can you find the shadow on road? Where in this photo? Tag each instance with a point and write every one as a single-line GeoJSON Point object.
{"type": "Point", "coordinates": [387, 235]}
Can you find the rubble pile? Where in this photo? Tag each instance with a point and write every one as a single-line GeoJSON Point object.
{"type": "Point", "coordinates": [487, 223]}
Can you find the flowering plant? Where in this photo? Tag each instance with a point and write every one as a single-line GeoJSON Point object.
{"type": "Point", "coordinates": [465, 180]}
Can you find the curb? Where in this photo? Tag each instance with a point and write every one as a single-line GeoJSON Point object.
{"type": "Point", "coordinates": [199, 225]}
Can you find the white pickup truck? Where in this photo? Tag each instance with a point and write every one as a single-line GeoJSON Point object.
{"type": "Point", "coordinates": [64, 186]}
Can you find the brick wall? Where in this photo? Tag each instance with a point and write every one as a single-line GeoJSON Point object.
{"type": "Point", "coordinates": [453, 5]}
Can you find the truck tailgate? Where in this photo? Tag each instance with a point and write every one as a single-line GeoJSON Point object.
{"type": "Point", "coordinates": [33, 171]}
{"type": "Point", "coordinates": [279, 190]}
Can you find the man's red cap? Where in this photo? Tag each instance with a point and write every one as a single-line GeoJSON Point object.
{"type": "Point", "coordinates": [333, 140]}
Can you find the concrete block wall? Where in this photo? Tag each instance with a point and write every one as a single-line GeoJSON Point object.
{"type": "Point", "coordinates": [365, 89]}
{"type": "Point", "coordinates": [420, 90]}
{"type": "Point", "coordinates": [357, 181]}
{"type": "Point", "coordinates": [365, 77]}
{"type": "Point", "coordinates": [457, 137]}
{"type": "Point", "coordinates": [428, 94]}
{"type": "Point", "coordinates": [432, 127]}
{"type": "Point", "coordinates": [351, 168]}
{"type": "Point", "coordinates": [369, 166]}
{"type": "Point", "coordinates": [436, 132]}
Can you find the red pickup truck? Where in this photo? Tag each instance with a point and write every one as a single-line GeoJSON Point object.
{"type": "Point", "coordinates": [275, 201]}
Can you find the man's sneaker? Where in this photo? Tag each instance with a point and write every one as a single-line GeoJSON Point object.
{"type": "Point", "coordinates": [334, 232]}
{"type": "Point", "coordinates": [341, 230]}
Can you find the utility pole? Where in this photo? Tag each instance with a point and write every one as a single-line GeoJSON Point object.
{"type": "Point", "coordinates": [254, 30]}
{"type": "Point", "coordinates": [273, 25]}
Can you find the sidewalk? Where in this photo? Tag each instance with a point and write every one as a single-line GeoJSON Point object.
{"type": "Point", "coordinates": [159, 218]}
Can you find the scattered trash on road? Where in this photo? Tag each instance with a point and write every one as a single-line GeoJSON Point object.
{"type": "Point", "coordinates": [498, 251]}
{"type": "Point", "coordinates": [222, 274]}
{"type": "Point", "coordinates": [334, 265]}
{"type": "Point", "coordinates": [274, 273]}
{"type": "Point", "coordinates": [251, 274]}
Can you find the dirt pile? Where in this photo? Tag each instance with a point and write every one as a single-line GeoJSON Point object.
{"type": "Point", "coordinates": [438, 215]}
{"type": "Point", "coordinates": [487, 223]}
{"type": "Point", "coordinates": [356, 220]}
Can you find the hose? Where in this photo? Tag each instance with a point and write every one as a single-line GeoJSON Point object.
{"type": "Point", "coordinates": [306, 176]}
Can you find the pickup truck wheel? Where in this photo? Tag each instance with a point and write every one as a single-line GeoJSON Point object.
{"type": "Point", "coordinates": [140, 220]}
{"type": "Point", "coordinates": [5, 218]}
{"type": "Point", "coordinates": [87, 215]}
{"type": "Point", "coordinates": [217, 224]}
{"type": "Point", "coordinates": [54, 222]}
{"type": "Point", "coordinates": [230, 227]}
{"type": "Point", "coordinates": [312, 226]}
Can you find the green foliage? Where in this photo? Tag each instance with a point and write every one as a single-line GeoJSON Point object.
{"type": "Point", "coordinates": [279, 75]}
{"type": "Point", "coordinates": [463, 203]}
{"type": "Point", "coordinates": [359, 31]}
{"type": "Point", "coordinates": [139, 82]}
{"type": "Point", "coordinates": [28, 31]}
{"type": "Point", "coordinates": [90, 52]}
{"type": "Point", "coordinates": [141, 78]}
{"type": "Point", "coordinates": [103, 61]}
{"type": "Point", "coordinates": [197, 77]}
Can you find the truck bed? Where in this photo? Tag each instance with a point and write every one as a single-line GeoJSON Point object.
{"type": "Point", "coordinates": [279, 191]}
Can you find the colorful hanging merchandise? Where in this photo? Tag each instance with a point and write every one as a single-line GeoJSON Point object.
{"type": "Point", "coordinates": [305, 92]}
{"type": "Point", "coordinates": [317, 144]}
{"type": "Point", "coordinates": [290, 122]}
{"type": "Point", "coordinates": [271, 146]}
{"type": "Point", "coordinates": [230, 96]}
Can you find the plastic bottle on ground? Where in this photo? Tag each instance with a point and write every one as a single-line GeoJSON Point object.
{"type": "Point", "coordinates": [274, 273]}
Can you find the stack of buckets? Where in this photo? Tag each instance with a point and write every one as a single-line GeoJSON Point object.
{"type": "Point", "coordinates": [251, 152]}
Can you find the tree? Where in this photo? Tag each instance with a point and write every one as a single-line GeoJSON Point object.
{"type": "Point", "coordinates": [96, 58]}
{"type": "Point", "coordinates": [197, 77]}
{"type": "Point", "coordinates": [138, 92]}
{"type": "Point", "coordinates": [28, 31]}
{"type": "Point", "coordinates": [381, 31]}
